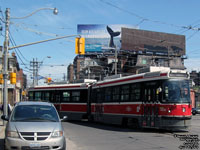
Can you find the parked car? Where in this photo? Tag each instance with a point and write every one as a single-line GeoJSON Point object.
{"type": "Point", "coordinates": [34, 125]}
{"type": "Point", "coordinates": [195, 111]}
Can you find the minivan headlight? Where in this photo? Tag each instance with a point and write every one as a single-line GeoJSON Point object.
{"type": "Point", "coordinates": [57, 134]}
{"type": "Point", "coordinates": [12, 134]}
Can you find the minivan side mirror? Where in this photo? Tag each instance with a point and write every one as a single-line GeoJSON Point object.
{"type": "Point", "coordinates": [64, 118]}
{"type": "Point", "coordinates": [3, 117]}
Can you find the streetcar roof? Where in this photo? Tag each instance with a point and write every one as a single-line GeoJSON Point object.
{"type": "Point", "coordinates": [147, 76]}
{"type": "Point", "coordinates": [62, 86]}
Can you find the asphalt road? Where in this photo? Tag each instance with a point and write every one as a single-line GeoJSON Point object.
{"type": "Point", "coordinates": [92, 136]}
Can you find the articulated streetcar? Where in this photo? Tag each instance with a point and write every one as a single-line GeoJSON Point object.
{"type": "Point", "coordinates": [155, 99]}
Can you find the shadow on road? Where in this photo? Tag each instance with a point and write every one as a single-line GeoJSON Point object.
{"type": "Point", "coordinates": [102, 126]}
{"type": "Point", "coordinates": [118, 128]}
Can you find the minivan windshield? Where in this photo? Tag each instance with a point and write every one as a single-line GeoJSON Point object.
{"type": "Point", "coordinates": [34, 113]}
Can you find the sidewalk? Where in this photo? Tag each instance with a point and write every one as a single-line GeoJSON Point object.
{"type": "Point", "coordinates": [2, 134]}
{"type": "Point", "coordinates": [2, 129]}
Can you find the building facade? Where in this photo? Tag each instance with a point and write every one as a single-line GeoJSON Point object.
{"type": "Point", "coordinates": [14, 90]}
{"type": "Point", "coordinates": [139, 49]}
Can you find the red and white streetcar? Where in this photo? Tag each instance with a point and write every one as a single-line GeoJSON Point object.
{"type": "Point", "coordinates": [159, 99]}
{"type": "Point", "coordinates": [156, 99]}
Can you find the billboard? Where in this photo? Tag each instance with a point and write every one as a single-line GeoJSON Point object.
{"type": "Point", "coordinates": [149, 41]}
{"type": "Point", "coordinates": [100, 37]}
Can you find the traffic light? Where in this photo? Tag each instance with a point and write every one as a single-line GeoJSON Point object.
{"type": "Point", "coordinates": [1, 79]}
{"type": "Point", "coordinates": [13, 79]}
{"type": "Point", "coordinates": [49, 80]}
{"type": "Point", "coordinates": [80, 46]}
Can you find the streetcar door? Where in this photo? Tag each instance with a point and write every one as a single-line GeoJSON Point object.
{"type": "Point", "coordinates": [55, 99]}
{"type": "Point", "coordinates": [99, 105]}
{"type": "Point", "coordinates": [150, 104]}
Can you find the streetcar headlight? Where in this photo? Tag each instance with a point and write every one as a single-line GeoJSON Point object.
{"type": "Point", "coordinates": [169, 111]}
{"type": "Point", "coordinates": [184, 109]}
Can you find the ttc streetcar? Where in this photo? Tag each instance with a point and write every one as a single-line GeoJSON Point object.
{"type": "Point", "coordinates": [156, 99]}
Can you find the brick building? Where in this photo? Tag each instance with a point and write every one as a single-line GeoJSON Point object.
{"type": "Point", "coordinates": [14, 90]}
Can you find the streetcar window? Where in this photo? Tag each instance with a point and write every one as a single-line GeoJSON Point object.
{"type": "Point", "coordinates": [94, 96]}
{"type": "Point", "coordinates": [150, 92]}
{"type": "Point", "coordinates": [108, 94]}
{"type": "Point", "coordinates": [116, 94]}
{"type": "Point", "coordinates": [51, 98]}
{"type": "Point", "coordinates": [125, 93]}
{"type": "Point", "coordinates": [176, 91]}
{"type": "Point", "coordinates": [38, 95]}
{"type": "Point", "coordinates": [135, 92]}
{"type": "Point", "coordinates": [75, 96]}
{"type": "Point", "coordinates": [66, 96]}
{"type": "Point", "coordinates": [166, 93]}
{"type": "Point", "coordinates": [84, 96]}
{"type": "Point", "coordinates": [99, 95]}
{"type": "Point", "coordinates": [30, 95]}
{"type": "Point", "coordinates": [149, 95]}
{"type": "Point", "coordinates": [46, 96]}
{"type": "Point", "coordinates": [55, 98]}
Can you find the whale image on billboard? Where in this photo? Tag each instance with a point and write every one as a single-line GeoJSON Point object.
{"type": "Point", "coordinates": [101, 38]}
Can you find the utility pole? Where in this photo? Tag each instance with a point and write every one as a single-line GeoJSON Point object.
{"type": "Point", "coordinates": [35, 65]}
{"type": "Point", "coordinates": [64, 76]}
{"type": "Point", "coordinates": [5, 65]}
{"type": "Point", "coordinates": [32, 64]}
{"type": "Point", "coordinates": [115, 60]}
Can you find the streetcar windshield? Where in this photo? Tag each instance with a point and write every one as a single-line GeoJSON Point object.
{"type": "Point", "coordinates": [176, 91]}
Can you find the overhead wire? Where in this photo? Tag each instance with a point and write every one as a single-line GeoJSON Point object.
{"type": "Point", "coordinates": [192, 35]}
{"type": "Point", "coordinates": [138, 16]}
{"type": "Point", "coordinates": [144, 19]}
{"type": "Point", "coordinates": [14, 44]}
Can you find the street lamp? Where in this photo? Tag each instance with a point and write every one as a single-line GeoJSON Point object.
{"type": "Point", "coordinates": [55, 12]}
{"type": "Point", "coordinates": [6, 48]}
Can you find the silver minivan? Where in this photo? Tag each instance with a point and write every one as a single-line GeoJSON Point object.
{"type": "Point", "coordinates": [34, 125]}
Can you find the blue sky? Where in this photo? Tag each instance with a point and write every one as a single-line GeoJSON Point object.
{"type": "Point", "coordinates": [170, 16]}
